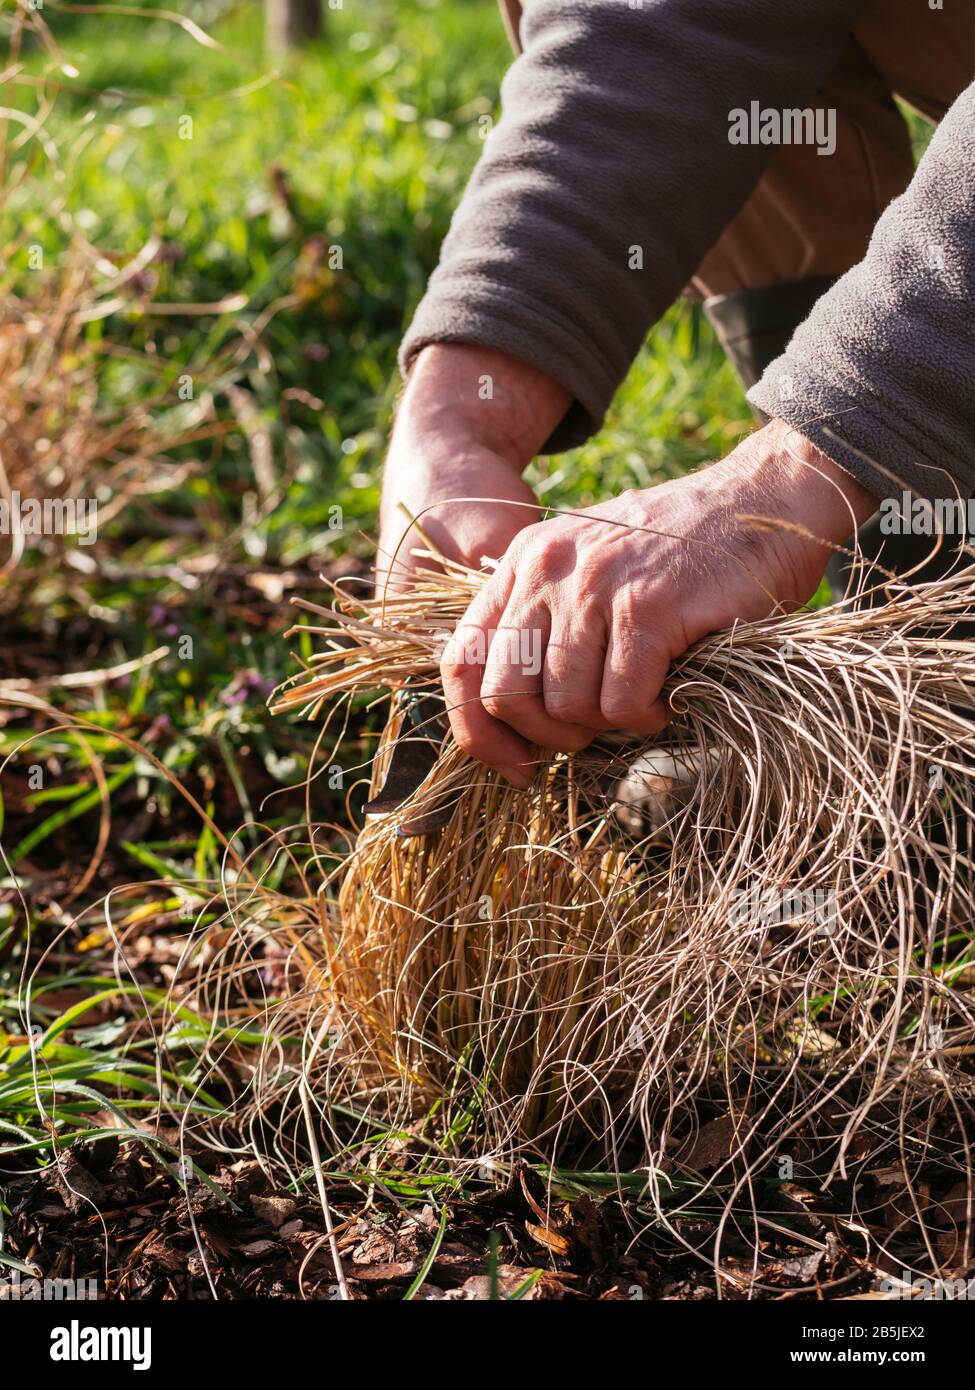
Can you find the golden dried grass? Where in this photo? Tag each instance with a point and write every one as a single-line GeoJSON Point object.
{"type": "Point", "coordinates": [535, 981]}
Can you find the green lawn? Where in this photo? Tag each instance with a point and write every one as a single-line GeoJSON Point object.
{"type": "Point", "coordinates": [374, 134]}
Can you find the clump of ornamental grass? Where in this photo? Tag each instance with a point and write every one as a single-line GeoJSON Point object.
{"type": "Point", "coordinates": [91, 426]}
{"type": "Point", "coordinates": [72, 457]}
{"type": "Point", "coordinates": [778, 974]}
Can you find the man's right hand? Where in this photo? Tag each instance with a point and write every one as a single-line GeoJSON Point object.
{"type": "Point", "coordinates": [468, 424]}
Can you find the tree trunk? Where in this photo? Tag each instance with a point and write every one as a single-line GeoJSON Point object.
{"type": "Point", "coordinates": [291, 23]}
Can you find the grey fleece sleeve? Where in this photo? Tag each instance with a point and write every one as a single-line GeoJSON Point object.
{"type": "Point", "coordinates": [613, 149]}
{"type": "Point", "coordinates": [884, 367]}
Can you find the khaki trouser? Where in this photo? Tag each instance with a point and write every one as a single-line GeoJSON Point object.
{"type": "Point", "coordinates": [813, 215]}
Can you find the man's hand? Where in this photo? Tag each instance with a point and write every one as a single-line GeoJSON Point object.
{"type": "Point", "coordinates": [469, 423]}
{"type": "Point", "coordinates": [576, 630]}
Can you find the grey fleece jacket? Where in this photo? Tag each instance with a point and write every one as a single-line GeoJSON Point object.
{"type": "Point", "coordinates": [615, 136]}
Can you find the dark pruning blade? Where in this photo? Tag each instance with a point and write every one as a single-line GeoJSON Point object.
{"type": "Point", "coordinates": [413, 758]}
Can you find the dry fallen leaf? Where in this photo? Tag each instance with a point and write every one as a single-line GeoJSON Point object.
{"type": "Point", "coordinates": [550, 1239]}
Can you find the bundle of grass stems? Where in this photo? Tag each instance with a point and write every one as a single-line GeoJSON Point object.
{"type": "Point", "coordinates": [775, 984]}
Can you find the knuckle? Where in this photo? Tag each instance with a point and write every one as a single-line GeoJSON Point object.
{"type": "Point", "coordinates": [494, 705]}
{"type": "Point", "coordinates": [623, 708]}
{"type": "Point", "coordinates": [465, 648]}
{"type": "Point", "coordinates": [541, 562]}
{"type": "Point", "coordinates": [567, 707]}
{"type": "Point", "coordinates": [632, 615]}
{"type": "Point", "coordinates": [588, 578]}
{"type": "Point", "coordinates": [501, 706]}
{"type": "Point", "coordinates": [452, 669]}
{"type": "Point", "coordinates": [469, 743]}
{"type": "Point", "coordinates": [465, 741]}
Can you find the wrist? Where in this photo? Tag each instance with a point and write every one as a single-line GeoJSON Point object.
{"type": "Point", "coordinates": [801, 485]}
{"type": "Point", "coordinates": [780, 486]}
{"type": "Point", "coordinates": [461, 398]}
{"type": "Point", "coordinates": [833, 504]}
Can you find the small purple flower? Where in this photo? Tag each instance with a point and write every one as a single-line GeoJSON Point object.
{"type": "Point", "coordinates": [246, 685]}
{"type": "Point", "coordinates": [160, 617]}
{"type": "Point", "coordinates": [160, 725]}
